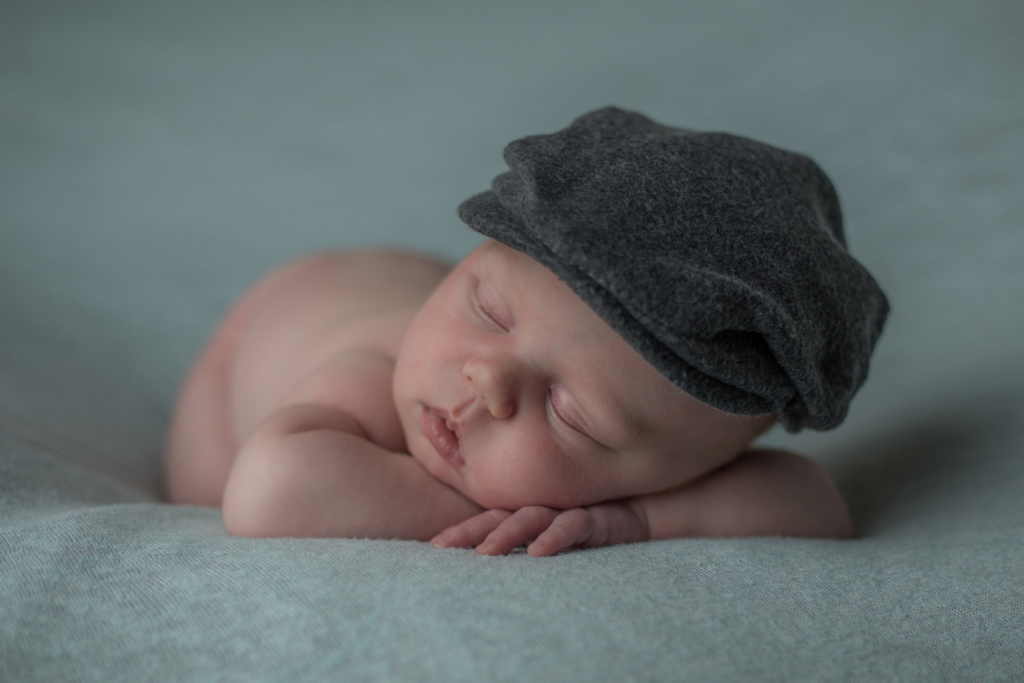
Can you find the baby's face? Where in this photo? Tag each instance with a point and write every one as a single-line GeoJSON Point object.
{"type": "Point", "coordinates": [514, 392]}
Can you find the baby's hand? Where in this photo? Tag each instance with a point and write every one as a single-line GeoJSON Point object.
{"type": "Point", "coordinates": [498, 532]}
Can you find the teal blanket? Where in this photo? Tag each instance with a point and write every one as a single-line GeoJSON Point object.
{"type": "Point", "coordinates": [156, 158]}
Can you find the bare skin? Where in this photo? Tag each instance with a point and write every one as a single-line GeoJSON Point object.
{"type": "Point", "coordinates": [527, 419]}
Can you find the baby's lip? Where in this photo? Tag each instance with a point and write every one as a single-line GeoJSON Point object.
{"type": "Point", "coordinates": [443, 434]}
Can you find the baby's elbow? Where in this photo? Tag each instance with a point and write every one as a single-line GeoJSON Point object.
{"type": "Point", "coordinates": [825, 511]}
{"type": "Point", "coordinates": [247, 516]}
{"type": "Point", "coordinates": [801, 498]}
{"type": "Point", "coordinates": [834, 519]}
{"type": "Point", "coordinates": [256, 499]}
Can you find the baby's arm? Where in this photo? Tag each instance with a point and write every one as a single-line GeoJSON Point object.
{"type": "Point", "coordinates": [308, 471]}
{"type": "Point", "coordinates": [761, 493]}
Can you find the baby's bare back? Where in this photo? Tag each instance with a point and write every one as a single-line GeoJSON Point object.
{"type": "Point", "coordinates": [298, 325]}
{"type": "Point", "coordinates": [305, 314]}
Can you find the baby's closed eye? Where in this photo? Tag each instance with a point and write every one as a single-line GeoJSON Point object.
{"type": "Point", "coordinates": [492, 307]}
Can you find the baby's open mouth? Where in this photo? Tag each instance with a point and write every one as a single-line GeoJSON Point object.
{"type": "Point", "coordinates": [441, 436]}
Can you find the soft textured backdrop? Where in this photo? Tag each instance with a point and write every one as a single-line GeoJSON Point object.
{"type": "Point", "coordinates": [156, 157]}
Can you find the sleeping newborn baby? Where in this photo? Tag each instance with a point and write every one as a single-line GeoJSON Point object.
{"type": "Point", "coordinates": [650, 300]}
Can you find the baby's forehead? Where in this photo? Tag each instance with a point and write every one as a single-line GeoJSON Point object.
{"type": "Point", "coordinates": [536, 287]}
{"type": "Point", "coordinates": [549, 301]}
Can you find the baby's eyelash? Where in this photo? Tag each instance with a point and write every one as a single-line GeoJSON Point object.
{"type": "Point", "coordinates": [487, 316]}
{"type": "Point", "coordinates": [558, 415]}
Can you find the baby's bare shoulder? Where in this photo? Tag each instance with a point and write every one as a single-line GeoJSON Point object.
{"type": "Point", "coordinates": [358, 273]}
{"type": "Point", "coordinates": [322, 294]}
{"type": "Point", "coordinates": [357, 382]}
{"type": "Point", "coordinates": [306, 317]}
{"type": "Point", "coordinates": [372, 260]}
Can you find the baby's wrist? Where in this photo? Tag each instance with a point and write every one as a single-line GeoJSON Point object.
{"type": "Point", "coordinates": [624, 521]}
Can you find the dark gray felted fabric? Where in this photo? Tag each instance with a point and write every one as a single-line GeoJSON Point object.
{"type": "Point", "coordinates": [721, 260]}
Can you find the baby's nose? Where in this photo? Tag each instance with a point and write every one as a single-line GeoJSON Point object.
{"type": "Point", "coordinates": [493, 379]}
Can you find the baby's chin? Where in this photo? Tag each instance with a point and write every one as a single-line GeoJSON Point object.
{"type": "Point", "coordinates": [510, 498]}
{"type": "Point", "coordinates": [496, 493]}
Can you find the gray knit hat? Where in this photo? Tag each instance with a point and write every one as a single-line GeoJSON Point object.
{"type": "Point", "coordinates": [721, 260]}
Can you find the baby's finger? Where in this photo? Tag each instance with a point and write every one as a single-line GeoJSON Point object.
{"type": "Point", "coordinates": [472, 531]}
{"type": "Point", "coordinates": [523, 526]}
{"type": "Point", "coordinates": [571, 528]}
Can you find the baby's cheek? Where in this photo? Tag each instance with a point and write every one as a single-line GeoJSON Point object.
{"type": "Point", "coordinates": [544, 479]}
